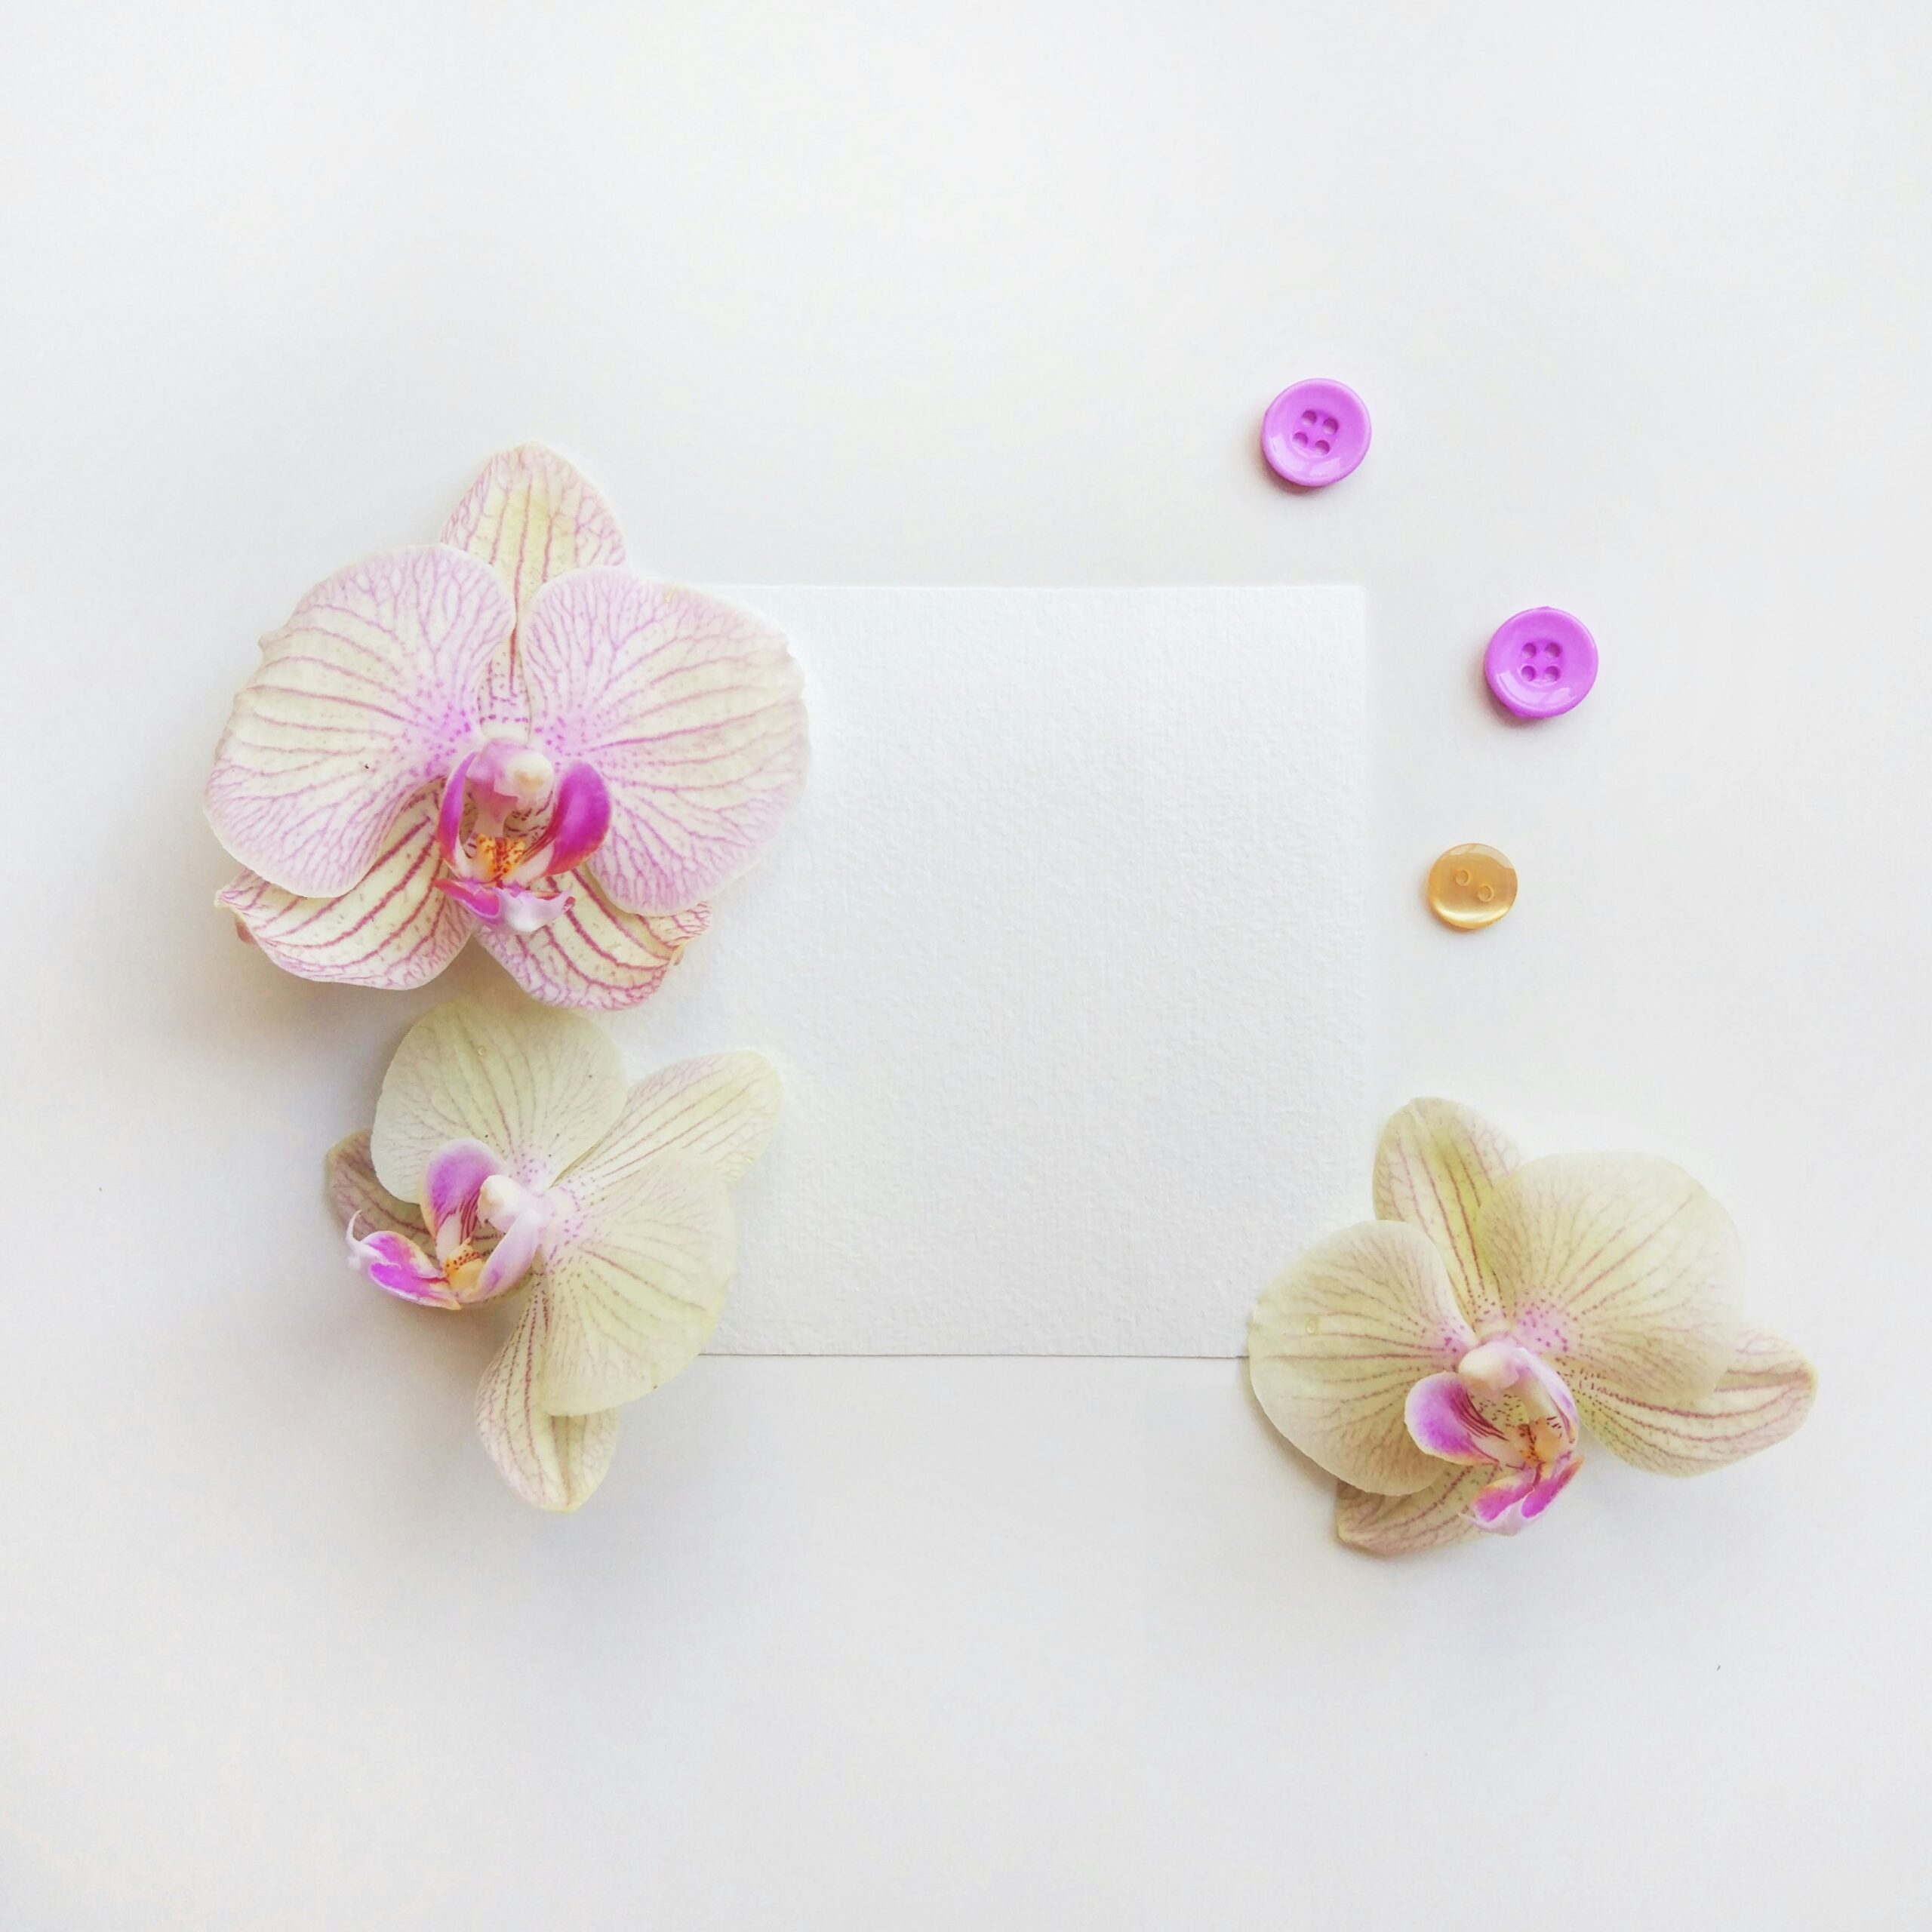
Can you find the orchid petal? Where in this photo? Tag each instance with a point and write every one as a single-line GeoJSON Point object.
{"type": "Point", "coordinates": [1337, 1344]}
{"type": "Point", "coordinates": [1445, 1419]}
{"type": "Point", "coordinates": [451, 1181]}
{"type": "Point", "coordinates": [393, 930]}
{"type": "Point", "coordinates": [594, 955]}
{"type": "Point", "coordinates": [363, 698]}
{"type": "Point", "coordinates": [531, 517]}
{"type": "Point", "coordinates": [688, 708]}
{"type": "Point", "coordinates": [1435, 1166]}
{"type": "Point", "coordinates": [635, 1278]}
{"type": "Point", "coordinates": [680, 928]}
{"type": "Point", "coordinates": [1430, 1518]}
{"type": "Point", "coordinates": [554, 1462]}
{"type": "Point", "coordinates": [355, 1194]}
{"type": "Point", "coordinates": [721, 1108]}
{"type": "Point", "coordinates": [538, 1088]}
{"type": "Point", "coordinates": [1760, 1399]}
{"type": "Point", "coordinates": [1621, 1271]}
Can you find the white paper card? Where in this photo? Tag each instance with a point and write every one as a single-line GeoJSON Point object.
{"type": "Point", "coordinates": [1063, 959]}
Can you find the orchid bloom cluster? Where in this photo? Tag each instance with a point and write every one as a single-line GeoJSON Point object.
{"type": "Point", "coordinates": [508, 734]}
{"type": "Point", "coordinates": [507, 1155]}
{"type": "Point", "coordinates": [1443, 1360]}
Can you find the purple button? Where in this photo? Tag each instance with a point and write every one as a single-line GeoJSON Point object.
{"type": "Point", "coordinates": [1315, 433]}
{"type": "Point", "coordinates": [1541, 664]}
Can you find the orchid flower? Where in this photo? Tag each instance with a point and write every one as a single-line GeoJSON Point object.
{"type": "Point", "coordinates": [508, 1155]}
{"type": "Point", "coordinates": [506, 733]}
{"type": "Point", "coordinates": [1443, 1360]}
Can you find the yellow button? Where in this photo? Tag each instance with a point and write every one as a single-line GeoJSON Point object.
{"type": "Point", "coordinates": [1471, 886]}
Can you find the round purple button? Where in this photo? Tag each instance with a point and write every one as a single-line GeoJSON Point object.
{"type": "Point", "coordinates": [1315, 433]}
{"type": "Point", "coordinates": [1541, 664]}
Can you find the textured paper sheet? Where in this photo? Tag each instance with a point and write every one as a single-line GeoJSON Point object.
{"type": "Point", "coordinates": [1063, 960]}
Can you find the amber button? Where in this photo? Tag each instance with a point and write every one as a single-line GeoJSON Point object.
{"type": "Point", "coordinates": [1471, 886]}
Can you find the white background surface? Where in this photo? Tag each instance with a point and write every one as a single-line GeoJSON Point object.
{"type": "Point", "coordinates": [909, 293]}
{"type": "Point", "coordinates": [1061, 961]}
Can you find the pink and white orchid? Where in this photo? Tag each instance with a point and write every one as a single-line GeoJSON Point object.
{"type": "Point", "coordinates": [506, 733]}
{"type": "Point", "coordinates": [507, 1154]}
{"type": "Point", "coordinates": [1443, 1360]}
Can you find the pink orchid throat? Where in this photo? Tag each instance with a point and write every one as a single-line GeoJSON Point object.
{"type": "Point", "coordinates": [1503, 1407]}
{"type": "Point", "coordinates": [486, 1227]}
{"type": "Point", "coordinates": [509, 820]}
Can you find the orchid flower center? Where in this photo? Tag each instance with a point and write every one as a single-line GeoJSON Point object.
{"type": "Point", "coordinates": [1501, 1407]}
{"type": "Point", "coordinates": [487, 1229]}
{"type": "Point", "coordinates": [508, 821]}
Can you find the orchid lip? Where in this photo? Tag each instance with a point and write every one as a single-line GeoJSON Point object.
{"type": "Point", "coordinates": [1502, 1407]}
{"type": "Point", "coordinates": [398, 1267]}
{"type": "Point", "coordinates": [492, 856]}
{"type": "Point", "coordinates": [488, 1230]}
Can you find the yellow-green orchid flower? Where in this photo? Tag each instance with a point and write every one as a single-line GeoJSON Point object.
{"type": "Point", "coordinates": [532, 1167]}
{"type": "Point", "coordinates": [1443, 1360]}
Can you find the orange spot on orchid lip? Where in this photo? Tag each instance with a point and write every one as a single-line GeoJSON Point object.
{"type": "Point", "coordinates": [462, 1268]}
{"type": "Point", "coordinates": [496, 858]}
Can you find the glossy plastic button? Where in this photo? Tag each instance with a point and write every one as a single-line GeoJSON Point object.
{"type": "Point", "coordinates": [1471, 886]}
{"type": "Point", "coordinates": [1315, 433]}
{"type": "Point", "coordinates": [1541, 664]}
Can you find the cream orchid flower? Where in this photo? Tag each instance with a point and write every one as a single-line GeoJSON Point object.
{"type": "Point", "coordinates": [1443, 1360]}
{"type": "Point", "coordinates": [504, 734]}
{"type": "Point", "coordinates": [534, 1168]}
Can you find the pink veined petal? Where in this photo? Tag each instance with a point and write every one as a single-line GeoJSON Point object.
{"type": "Point", "coordinates": [1760, 1399]}
{"type": "Point", "coordinates": [596, 955]}
{"type": "Point", "coordinates": [393, 929]}
{"type": "Point", "coordinates": [1431, 1517]}
{"type": "Point", "coordinates": [531, 516]}
{"type": "Point", "coordinates": [680, 928]}
{"type": "Point", "coordinates": [451, 1181]}
{"type": "Point", "coordinates": [1335, 1346]}
{"type": "Point", "coordinates": [1436, 1165]}
{"type": "Point", "coordinates": [363, 698]}
{"type": "Point", "coordinates": [688, 708]}
{"type": "Point", "coordinates": [552, 1462]}
{"type": "Point", "coordinates": [398, 1266]}
{"type": "Point", "coordinates": [635, 1277]}
{"type": "Point", "coordinates": [1443, 1419]}
{"type": "Point", "coordinates": [1621, 1271]}
{"type": "Point", "coordinates": [722, 1109]}
{"type": "Point", "coordinates": [355, 1194]}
